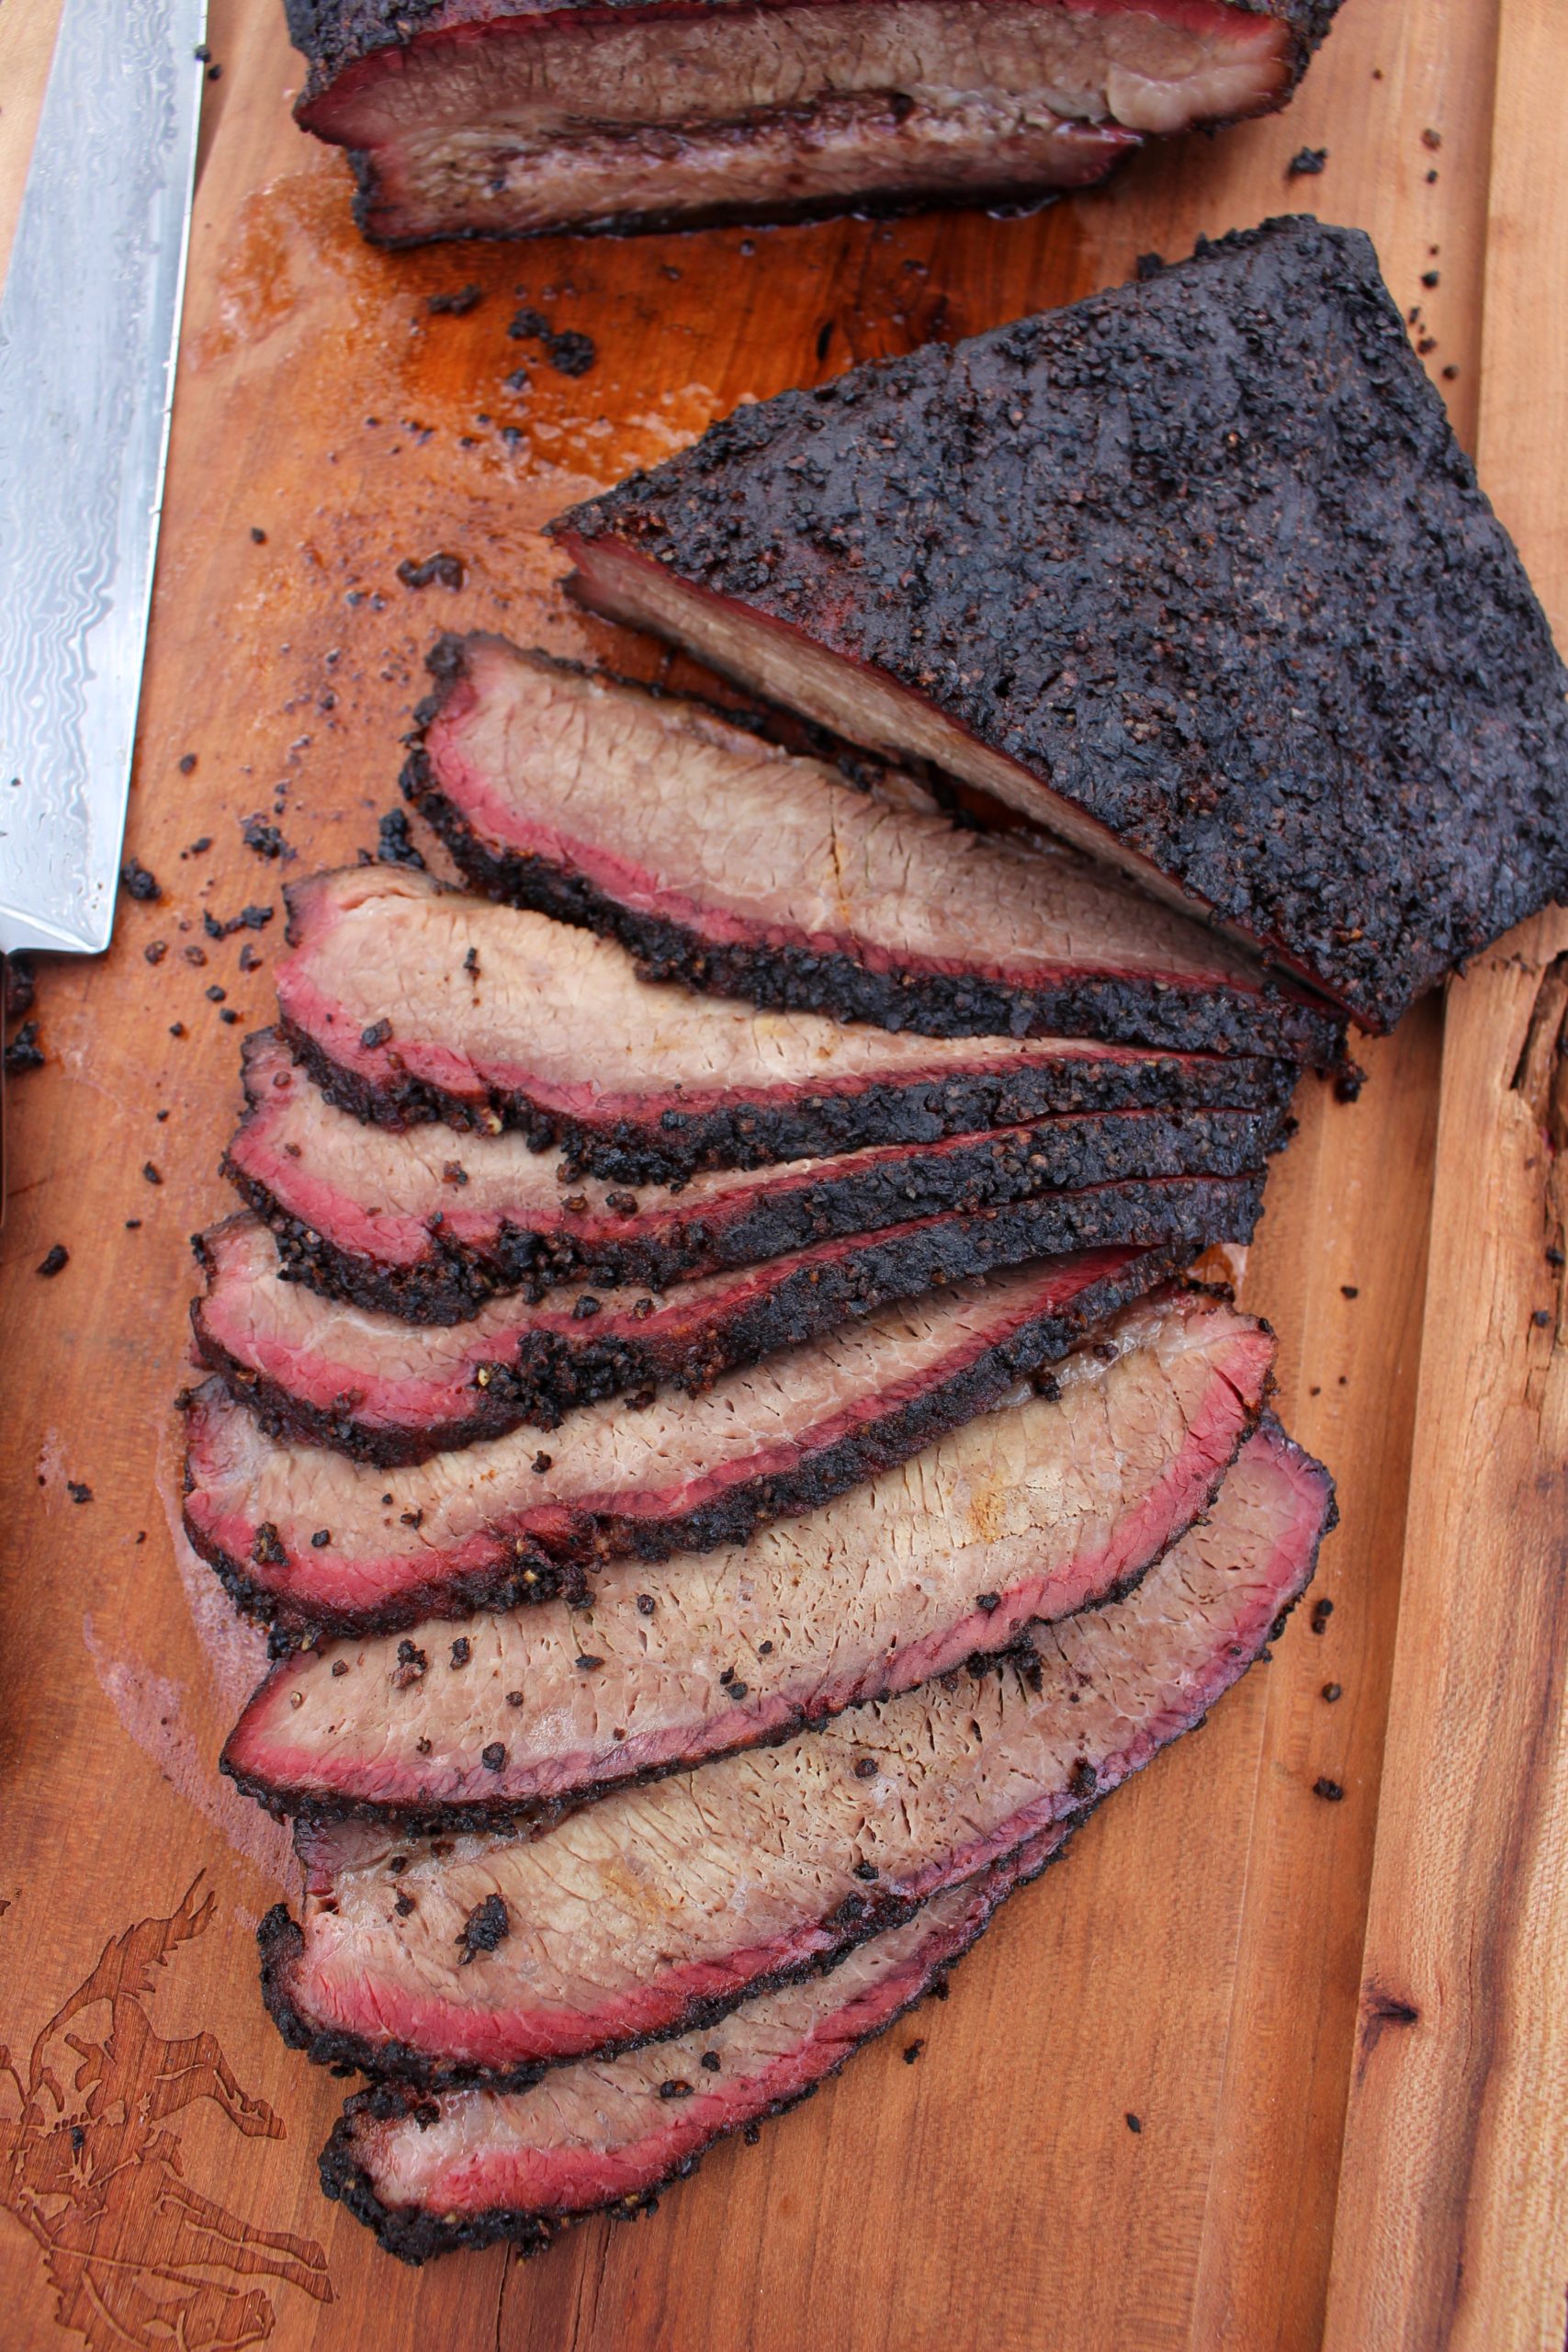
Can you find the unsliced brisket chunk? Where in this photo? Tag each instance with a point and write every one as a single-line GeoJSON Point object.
{"type": "Point", "coordinates": [391, 1392]}
{"type": "Point", "coordinates": [315, 1542]}
{"type": "Point", "coordinates": [502, 117]}
{"type": "Point", "coordinates": [604, 2134]}
{"type": "Point", "coordinates": [660, 1909]}
{"type": "Point", "coordinates": [423, 1226]}
{"type": "Point", "coordinates": [1044, 1506]}
{"type": "Point", "coordinates": [408, 1002]}
{"type": "Point", "coordinates": [1194, 573]}
{"type": "Point", "coordinates": [721, 860]}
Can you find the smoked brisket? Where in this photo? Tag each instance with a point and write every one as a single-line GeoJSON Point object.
{"type": "Point", "coordinates": [505, 118]}
{"type": "Point", "coordinates": [745, 870]}
{"type": "Point", "coordinates": [606, 2134]}
{"type": "Point", "coordinates": [410, 1001]}
{"type": "Point", "coordinates": [422, 1226]}
{"type": "Point", "coordinates": [658, 1909]}
{"type": "Point", "coordinates": [1194, 573]}
{"type": "Point", "coordinates": [1044, 1506]}
{"type": "Point", "coordinates": [305, 1537]}
{"type": "Point", "coordinates": [391, 1392]}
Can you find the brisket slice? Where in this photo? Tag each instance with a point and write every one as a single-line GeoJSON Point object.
{"type": "Point", "coordinates": [504, 118]}
{"type": "Point", "coordinates": [392, 1391]}
{"type": "Point", "coordinates": [745, 870]}
{"type": "Point", "coordinates": [427, 1228]}
{"type": "Point", "coordinates": [658, 1909]}
{"type": "Point", "coordinates": [606, 2134]}
{"type": "Point", "coordinates": [408, 1001]}
{"type": "Point", "coordinates": [1044, 1506]}
{"type": "Point", "coordinates": [304, 1536]}
{"type": "Point", "coordinates": [1193, 572]}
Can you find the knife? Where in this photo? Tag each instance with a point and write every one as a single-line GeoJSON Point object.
{"type": "Point", "coordinates": [89, 332]}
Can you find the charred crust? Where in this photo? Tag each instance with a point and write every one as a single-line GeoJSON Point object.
{"type": "Point", "coordinates": [1382, 796]}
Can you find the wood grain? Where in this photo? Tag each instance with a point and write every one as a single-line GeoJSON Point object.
{"type": "Point", "coordinates": [1452, 2228]}
{"type": "Point", "coordinates": [1196, 1962]}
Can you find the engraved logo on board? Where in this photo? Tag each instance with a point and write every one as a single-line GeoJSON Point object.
{"type": "Point", "coordinates": [136, 2258]}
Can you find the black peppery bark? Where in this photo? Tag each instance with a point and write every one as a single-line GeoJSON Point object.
{"type": "Point", "coordinates": [1199, 557]}
{"type": "Point", "coordinates": [560, 1566]}
{"type": "Point", "coordinates": [1119, 1009]}
{"type": "Point", "coordinates": [550, 1375]}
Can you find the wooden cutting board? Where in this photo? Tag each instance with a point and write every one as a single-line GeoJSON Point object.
{"type": "Point", "coordinates": [1123, 2130]}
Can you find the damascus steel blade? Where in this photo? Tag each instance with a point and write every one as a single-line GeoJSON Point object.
{"type": "Point", "coordinates": [89, 326]}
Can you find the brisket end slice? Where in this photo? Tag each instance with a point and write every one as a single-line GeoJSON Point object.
{"type": "Point", "coordinates": [1029, 1511]}
{"type": "Point", "coordinates": [1193, 572]}
{"type": "Point", "coordinates": [606, 2135]}
{"type": "Point", "coordinates": [390, 1392]}
{"type": "Point", "coordinates": [422, 1226]}
{"type": "Point", "coordinates": [660, 1908]}
{"type": "Point", "coordinates": [722, 861]}
{"type": "Point", "coordinates": [408, 1001]}
{"type": "Point", "coordinates": [312, 1542]}
{"type": "Point", "coordinates": [506, 118]}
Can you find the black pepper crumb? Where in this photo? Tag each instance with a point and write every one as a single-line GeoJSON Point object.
{"type": "Point", "coordinates": [987, 1601]}
{"type": "Point", "coordinates": [1135, 2122]}
{"type": "Point", "coordinates": [462, 1650]}
{"type": "Point", "coordinates": [515, 1697]}
{"type": "Point", "coordinates": [752, 2134]}
{"type": "Point", "coordinates": [1348, 1290]}
{"type": "Point", "coordinates": [865, 1870]}
{"type": "Point", "coordinates": [258, 535]}
{"type": "Point", "coordinates": [645, 1604]}
{"type": "Point", "coordinates": [1332, 1690]}
{"type": "Point", "coordinates": [1322, 1611]}
{"type": "Point", "coordinates": [134, 1224]}
{"type": "Point", "coordinates": [457, 305]}
{"type": "Point", "coordinates": [764, 1649]}
{"type": "Point", "coordinates": [486, 1927]}
{"type": "Point", "coordinates": [912, 2050]}
{"type": "Point", "coordinates": [24, 1052]}
{"type": "Point", "coordinates": [340, 1667]}
{"type": "Point", "coordinates": [1541, 1317]}
{"type": "Point", "coordinates": [588, 1663]}
{"type": "Point", "coordinates": [1328, 1789]}
{"type": "Point", "coordinates": [1306, 163]}
{"type": "Point", "coordinates": [258, 835]}
{"type": "Point", "coordinates": [216, 994]}
{"type": "Point", "coordinates": [248, 919]}
{"type": "Point", "coordinates": [1432, 139]}
{"type": "Point", "coordinates": [397, 846]}
{"type": "Point", "coordinates": [1430, 277]}
{"type": "Point", "coordinates": [376, 1034]}
{"type": "Point", "coordinates": [494, 1757]}
{"type": "Point", "coordinates": [137, 882]}
{"type": "Point", "coordinates": [322, 1538]}
{"type": "Point", "coordinates": [78, 1490]}
{"type": "Point", "coordinates": [447, 569]}
{"type": "Point", "coordinates": [54, 1261]}
{"type": "Point", "coordinates": [674, 2089]}
{"type": "Point", "coordinates": [866, 1767]}
{"type": "Point", "coordinates": [21, 986]}
{"type": "Point", "coordinates": [541, 1464]}
{"type": "Point", "coordinates": [150, 1172]}
{"type": "Point", "coordinates": [154, 951]}
{"type": "Point", "coordinates": [403, 1905]}
{"type": "Point", "coordinates": [586, 1307]}
{"type": "Point", "coordinates": [187, 763]}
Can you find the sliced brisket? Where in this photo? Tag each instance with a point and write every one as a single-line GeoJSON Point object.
{"type": "Point", "coordinates": [1045, 1505]}
{"type": "Point", "coordinates": [745, 870]}
{"type": "Point", "coordinates": [1193, 572]}
{"type": "Point", "coordinates": [503, 117]}
{"type": "Point", "coordinates": [658, 1909]}
{"type": "Point", "coordinates": [605, 2134]}
{"type": "Point", "coordinates": [390, 1392]}
{"type": "Point", "coordinates": [425, 1226]}
{"type": "Point", "coordinates": [302, 1535]}
{"type": "Point", "coordinates": [410, 1001]}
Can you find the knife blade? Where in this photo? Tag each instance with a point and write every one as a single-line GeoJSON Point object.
{"type": "Point", "coordinates": [89, 332]}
